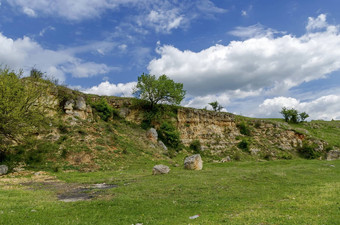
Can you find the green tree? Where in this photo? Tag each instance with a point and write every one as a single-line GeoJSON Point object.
{"type": "Point", "coordinates": [293, 116]}
{"type": "Point", "coordinates": [161, 90]}
{"type": "Point", "coordinates": [303, 116]}
{"type": "Point", "coordinates": [216, 106]}
{"type": "Point", "coordinates": [21, 106]}
{"type": "Point", "coordinates": [36, 74]}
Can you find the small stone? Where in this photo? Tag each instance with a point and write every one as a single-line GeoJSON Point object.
{"type": "Point", "coordinates": [3, 169]}
{"type": "Point", "coordinates": [162, 145]}
{"type": "Point", "coordinates": [193, 162]}
{"type": "Point", "coordinates": [160, 169]}
{"type": "Point", "coordinates": [226, 159]}
{"type": "Point", "coordinates": [152, 134]}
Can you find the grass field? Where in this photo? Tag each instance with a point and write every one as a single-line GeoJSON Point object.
{"type": "Point", "coordinates": [273, 192]}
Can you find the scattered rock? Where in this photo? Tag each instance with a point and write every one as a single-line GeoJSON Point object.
{"type": "Point", "coordinates": [193, 162]}
{"type": "Point", "coordinates": [160, 169]}
{"type": "Point", "coordinates": [162, 145]}
{"type": "Point", "coordinates": [69, 105]}
{"type": "Point", "coordinates": [254, 151]}
{"type": "Point", "coordinates": [152, 134]}
{"type": "Point", "coordinates": [226, 159]}
{"type": "Point", "coordinates": [80, 104]}
{"type": "Point", "coordinates": [333, 155]}
{"type": "Point", "coordinates": [3, 169]}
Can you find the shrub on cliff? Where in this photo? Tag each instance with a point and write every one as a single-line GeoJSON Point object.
{"type": "Point", "coordinates": [104, 110]}
{"type": "Point", "coordinates": [170, 136]}
{"type": "Point", "coordinates": [309, 151]}
{"type": "Point", "coordinates": [195, 145]}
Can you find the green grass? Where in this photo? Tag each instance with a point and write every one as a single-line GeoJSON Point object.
{"type": "Point", "coordinates": [274, 192]}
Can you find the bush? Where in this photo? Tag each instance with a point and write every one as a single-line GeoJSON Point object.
{"type": "Point", "coordinates": [244, 129]}
{"type": "Point", "coordinates": [244, 145]}
{"type": "Point", "coordinates": [104, 110]}
{"type": "Point", "coordinates": [196, 146]}
{"type": "Point", "coordinates": [169, 135]}
{"type": "Point", "coordinates": [308, 151]}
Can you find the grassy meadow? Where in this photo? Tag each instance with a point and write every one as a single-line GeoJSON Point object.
{"type": "Point", "coordinates": [272, 192]}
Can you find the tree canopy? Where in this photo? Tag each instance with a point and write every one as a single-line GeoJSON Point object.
{"type": "Point", "coordinates": [20, 108]}
{"type": "Point", "coordinates": [161, 90]}
{"type": "Point", "coordinates": [293, 116]}
{"type": "Point", "coordinates": [216, 106]}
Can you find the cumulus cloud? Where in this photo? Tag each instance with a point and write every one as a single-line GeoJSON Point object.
{"type": "Point", "coordinates": [24, 53]}
{"type": "Point", "coordinates": [109, 89]}
{"type": "Point", "coordinates": [325, 107]}
{"type": "Point", "coordinates": [267, 64]}
{"type": "Point", "coordinates": [203, 101]}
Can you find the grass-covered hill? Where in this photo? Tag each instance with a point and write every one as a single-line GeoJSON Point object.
{"type": "Point", "coordinates": [76, 131]}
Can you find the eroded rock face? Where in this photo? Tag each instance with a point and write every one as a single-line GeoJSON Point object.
{"type": "Point", "coordinates": [3, 169]}
{"type": "Point", "coordinates": [193, 162]}
{"type": "Point", "coordinates": [160, 169]}
{"type": "Point", "coordinates": [333, 155]}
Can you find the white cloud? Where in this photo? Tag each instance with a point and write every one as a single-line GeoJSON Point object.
{"type": "Point", "coordinates": [43, 31]}
{"type": "Point", "coordinates": [29, 12]}
{"type": "Point", "coordinates": [24, 53]}
{"type": "Point", "coordinates": [163, 20]}
{"type": "Point", "coordinates": [71, 10]}
{"type": "Point", "coordinates": [109, 89]}
{"type": "Point", "coordinates": [317, 23]}
{"type": "Point", "coordinates": [244, 13]}
{"type": "Point", "coordinates": [266, 64]}
{"type": "Point", "coordinates": [163, 16]}
{"type": "Point", "coordinates": [254, 31]}
{"type": "Point", "coordinates": [203, 101]}
{"type": "Point", "coordinates": [325, 107]}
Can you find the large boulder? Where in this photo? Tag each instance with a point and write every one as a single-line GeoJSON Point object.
{"type": "Point", "coordinates": [3, 169]}
{"type": "Point", "coordinates": [152, 135]}
{"type": "Point", "coordinates": [333, 155]}
{"type": "Point", "coordinates": [160, 169]}
{"type": "Point", "coordinates": [193, 162]}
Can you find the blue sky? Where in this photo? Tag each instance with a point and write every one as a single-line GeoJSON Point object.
{"type": "Point", "coordinates": [252, 56]}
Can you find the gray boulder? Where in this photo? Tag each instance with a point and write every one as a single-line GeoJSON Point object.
{"type": "Point", "coordinates": [3, 169]}
{"type": "Point", "coordinates": [152, 135]}
{"type": "Point", "coordinates": [193, 162]}
{"type": "Point", "coordinates": [160, 169]}
{"type": "Point", "coordinates": [333, 155]}
{"type": "Point", "coordinates": [80, 104]}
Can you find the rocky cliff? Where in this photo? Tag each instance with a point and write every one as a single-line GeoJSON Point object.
{"type": "Point", "coordinates": [218, 132]}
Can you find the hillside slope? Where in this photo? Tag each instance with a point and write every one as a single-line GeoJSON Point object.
{"type": "Point", "coordinates": [78, 137]}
